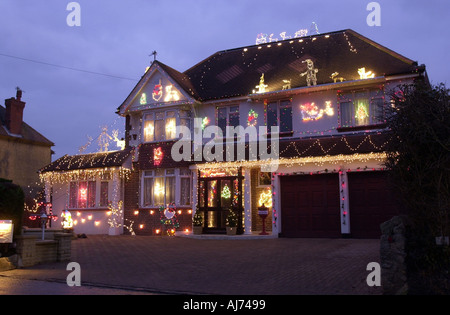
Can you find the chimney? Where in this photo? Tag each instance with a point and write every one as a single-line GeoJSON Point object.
{"type": "Point", "coordinates": [14, 113]}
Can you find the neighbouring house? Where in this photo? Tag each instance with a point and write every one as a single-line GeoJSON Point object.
{"type": "Point", "coordinates": [327, 95]}
{"type": "Point", "coordinates": [89, 187]}
{"type": "Point", "coordinates": [23, 150]}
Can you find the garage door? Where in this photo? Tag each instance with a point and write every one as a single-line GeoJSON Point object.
{"type": "Point", "coordinates": [372, 201]}
{"type": "Point", "coordinates": [310, 206]}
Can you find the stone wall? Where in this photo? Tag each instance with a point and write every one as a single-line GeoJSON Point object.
{"type": "Point", "coordinates": [32, 250]}
{"type": "Point", "coordinates": [393, 256]}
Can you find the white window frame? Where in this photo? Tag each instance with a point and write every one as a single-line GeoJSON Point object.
{"type": "Point", "coordinates": [179, 115]}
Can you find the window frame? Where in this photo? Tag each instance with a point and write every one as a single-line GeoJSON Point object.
{"type": "Point", "coordinates": [175, 175]}
{"type": "Point", "coordinates": [280, 105]}
{"type": "Point", "coordinates": [94, 199]}
{"type": "Point", "coordinates": [165, 115]}
{"type": "Point", "coordinates": [229, 114]}
{"type": "Point", "coordinates": [372, 97]}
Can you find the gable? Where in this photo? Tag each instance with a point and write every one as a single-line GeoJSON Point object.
{"type": "Point", "coordinates": [155, 89]}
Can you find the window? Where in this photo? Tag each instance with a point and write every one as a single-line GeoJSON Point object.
{"type": "Point", "coordinates": [104, 186]}
{"type": "Point", "coordinates": [279, 114]}
{"type": "Point", "coordinates": [82, 194]}
{"type": "Point", "coordinates": [185, 187]}
{"type": "Point", "coordinates": [161, 126]}
{"type": "Point", "coordinates": [159, 187]}
{"type": "Point", "coordinates": [227, 116]}
{"type": "Point", "coordinates": [265, 179]}
{"type": "Point", "coordinates": [361, 108]}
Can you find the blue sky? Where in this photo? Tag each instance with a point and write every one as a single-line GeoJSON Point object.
{"type": "Point", "coordinates": [117, 37]}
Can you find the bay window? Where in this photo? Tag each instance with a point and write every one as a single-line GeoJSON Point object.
{"type": "Point", "coordinates": [165, 186]}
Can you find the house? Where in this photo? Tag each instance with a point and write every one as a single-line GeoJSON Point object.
{"type": "Point", "coordinates": [23, 150]}
{"type": "Point", "coordinates": [297, 126]}
{"type": "Point", "coordinates": [86, 191]}
{"type": "Point", "coordinates": [326, 93]}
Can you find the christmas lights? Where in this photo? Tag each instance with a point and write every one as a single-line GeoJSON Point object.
{"type": "Point", "coordinates": [252, 119]}
{"type": "Point", "coordinates": [226, 193]}
{"type": "Point", "coordinates": [365, 75]}
{"type": "Point", "coordinates": [143, 99]}
{"type": "Point", "coordinates": [158, 155]}
{"type": "Point", "coordinates": [265, 198]}
{"type": "Point", "coordinates": [157, 92]}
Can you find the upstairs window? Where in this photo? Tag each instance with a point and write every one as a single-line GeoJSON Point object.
{"type": "Point", "coordinates": [227, 116]}
{"type": "Point", "coordinates": [279, 114]}
{"type": "Point", "coordinates": [161, 126]}
{"type": "Point", "coordinates": [361, 108]}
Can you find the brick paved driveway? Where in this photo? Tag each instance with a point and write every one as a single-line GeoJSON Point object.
{"type": "Point", "coordinates": [199, 266]}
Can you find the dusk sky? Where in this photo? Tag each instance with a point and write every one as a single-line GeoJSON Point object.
{"type": "Point", "coordinates": [116, 38]}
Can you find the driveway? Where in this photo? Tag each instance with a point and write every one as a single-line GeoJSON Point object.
{"type": "Point", "coordinates": [175, 265]}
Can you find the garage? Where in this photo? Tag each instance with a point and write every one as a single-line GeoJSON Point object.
{"type": "Point", "coordinates": [372, 201]}
{"type": "Point", "coordinates": [310, 206]}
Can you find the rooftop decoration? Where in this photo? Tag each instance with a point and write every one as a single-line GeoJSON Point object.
{"type": "Point", "coordinates": [310, 72]}
{"type": "Point", "coordinates": [262, 86]}
{"type": "Point", "coordinates": [365, 75]}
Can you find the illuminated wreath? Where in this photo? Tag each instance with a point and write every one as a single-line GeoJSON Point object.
{"type": "Point", "coordinates": [168, 215]}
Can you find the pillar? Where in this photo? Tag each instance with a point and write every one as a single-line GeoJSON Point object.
{"type": "Point", "coordinates": [247, 202]}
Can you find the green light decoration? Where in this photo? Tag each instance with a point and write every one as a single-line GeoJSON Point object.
{"type": "Point", "coordinates": [226, 193]}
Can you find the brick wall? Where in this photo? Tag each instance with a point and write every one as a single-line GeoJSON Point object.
{"type": "Point", "coordinates": [145, 221]}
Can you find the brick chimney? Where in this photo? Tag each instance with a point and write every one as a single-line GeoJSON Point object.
{"type": "Point", "coordinates": [14, 113]}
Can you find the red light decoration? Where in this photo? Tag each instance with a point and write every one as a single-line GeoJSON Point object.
{"type": "Point", "coordinates": [157, 156]}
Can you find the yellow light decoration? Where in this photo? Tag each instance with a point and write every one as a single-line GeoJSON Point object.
{"type": "Point", "coordinates": [66, 220]}
{"type": "Point", "coordinates": [136, 212]}
{"type": "Point", "coordinates": [261, 87]}
{"type": "Point", "coordinates": [141, 226]}
{"type": "Point", "coordinates": [89, 217]}
{"type": "Point", "coordinates": [365, 75]}
{"type": "Point", "coordinates": [75, 175]}
{"type": "Point", "coordinates": [158, 190]}
{"type": "Point", "coordinates": [265, 198]}
{"type": "Point", "coordinates": [361, 112]}
{"type": "Point", "coordinates": [171, 128]}
{"type": "Point", "coordinates": [97, 223]}
{"type": "Point", "coordinates": [171, 95]}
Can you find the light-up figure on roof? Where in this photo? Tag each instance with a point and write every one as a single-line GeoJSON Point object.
{"type": "Point", "coordinates": [310, 72]}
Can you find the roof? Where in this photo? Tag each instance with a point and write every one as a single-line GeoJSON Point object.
{"type": "Point", "coordinates": [28, 133]}
{"type": "Point", "coordinates": [88, 161]}
{"type": "Point", "coordinates": [236, 72]}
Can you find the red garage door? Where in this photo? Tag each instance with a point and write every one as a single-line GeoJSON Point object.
{"type": "Point", "coordinates": [371, 201]}
{"type": "Point", "coordinates": [310, 206]}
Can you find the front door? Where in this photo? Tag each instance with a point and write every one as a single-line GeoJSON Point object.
{"type": "Point", "coordinates": [217, 196]}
